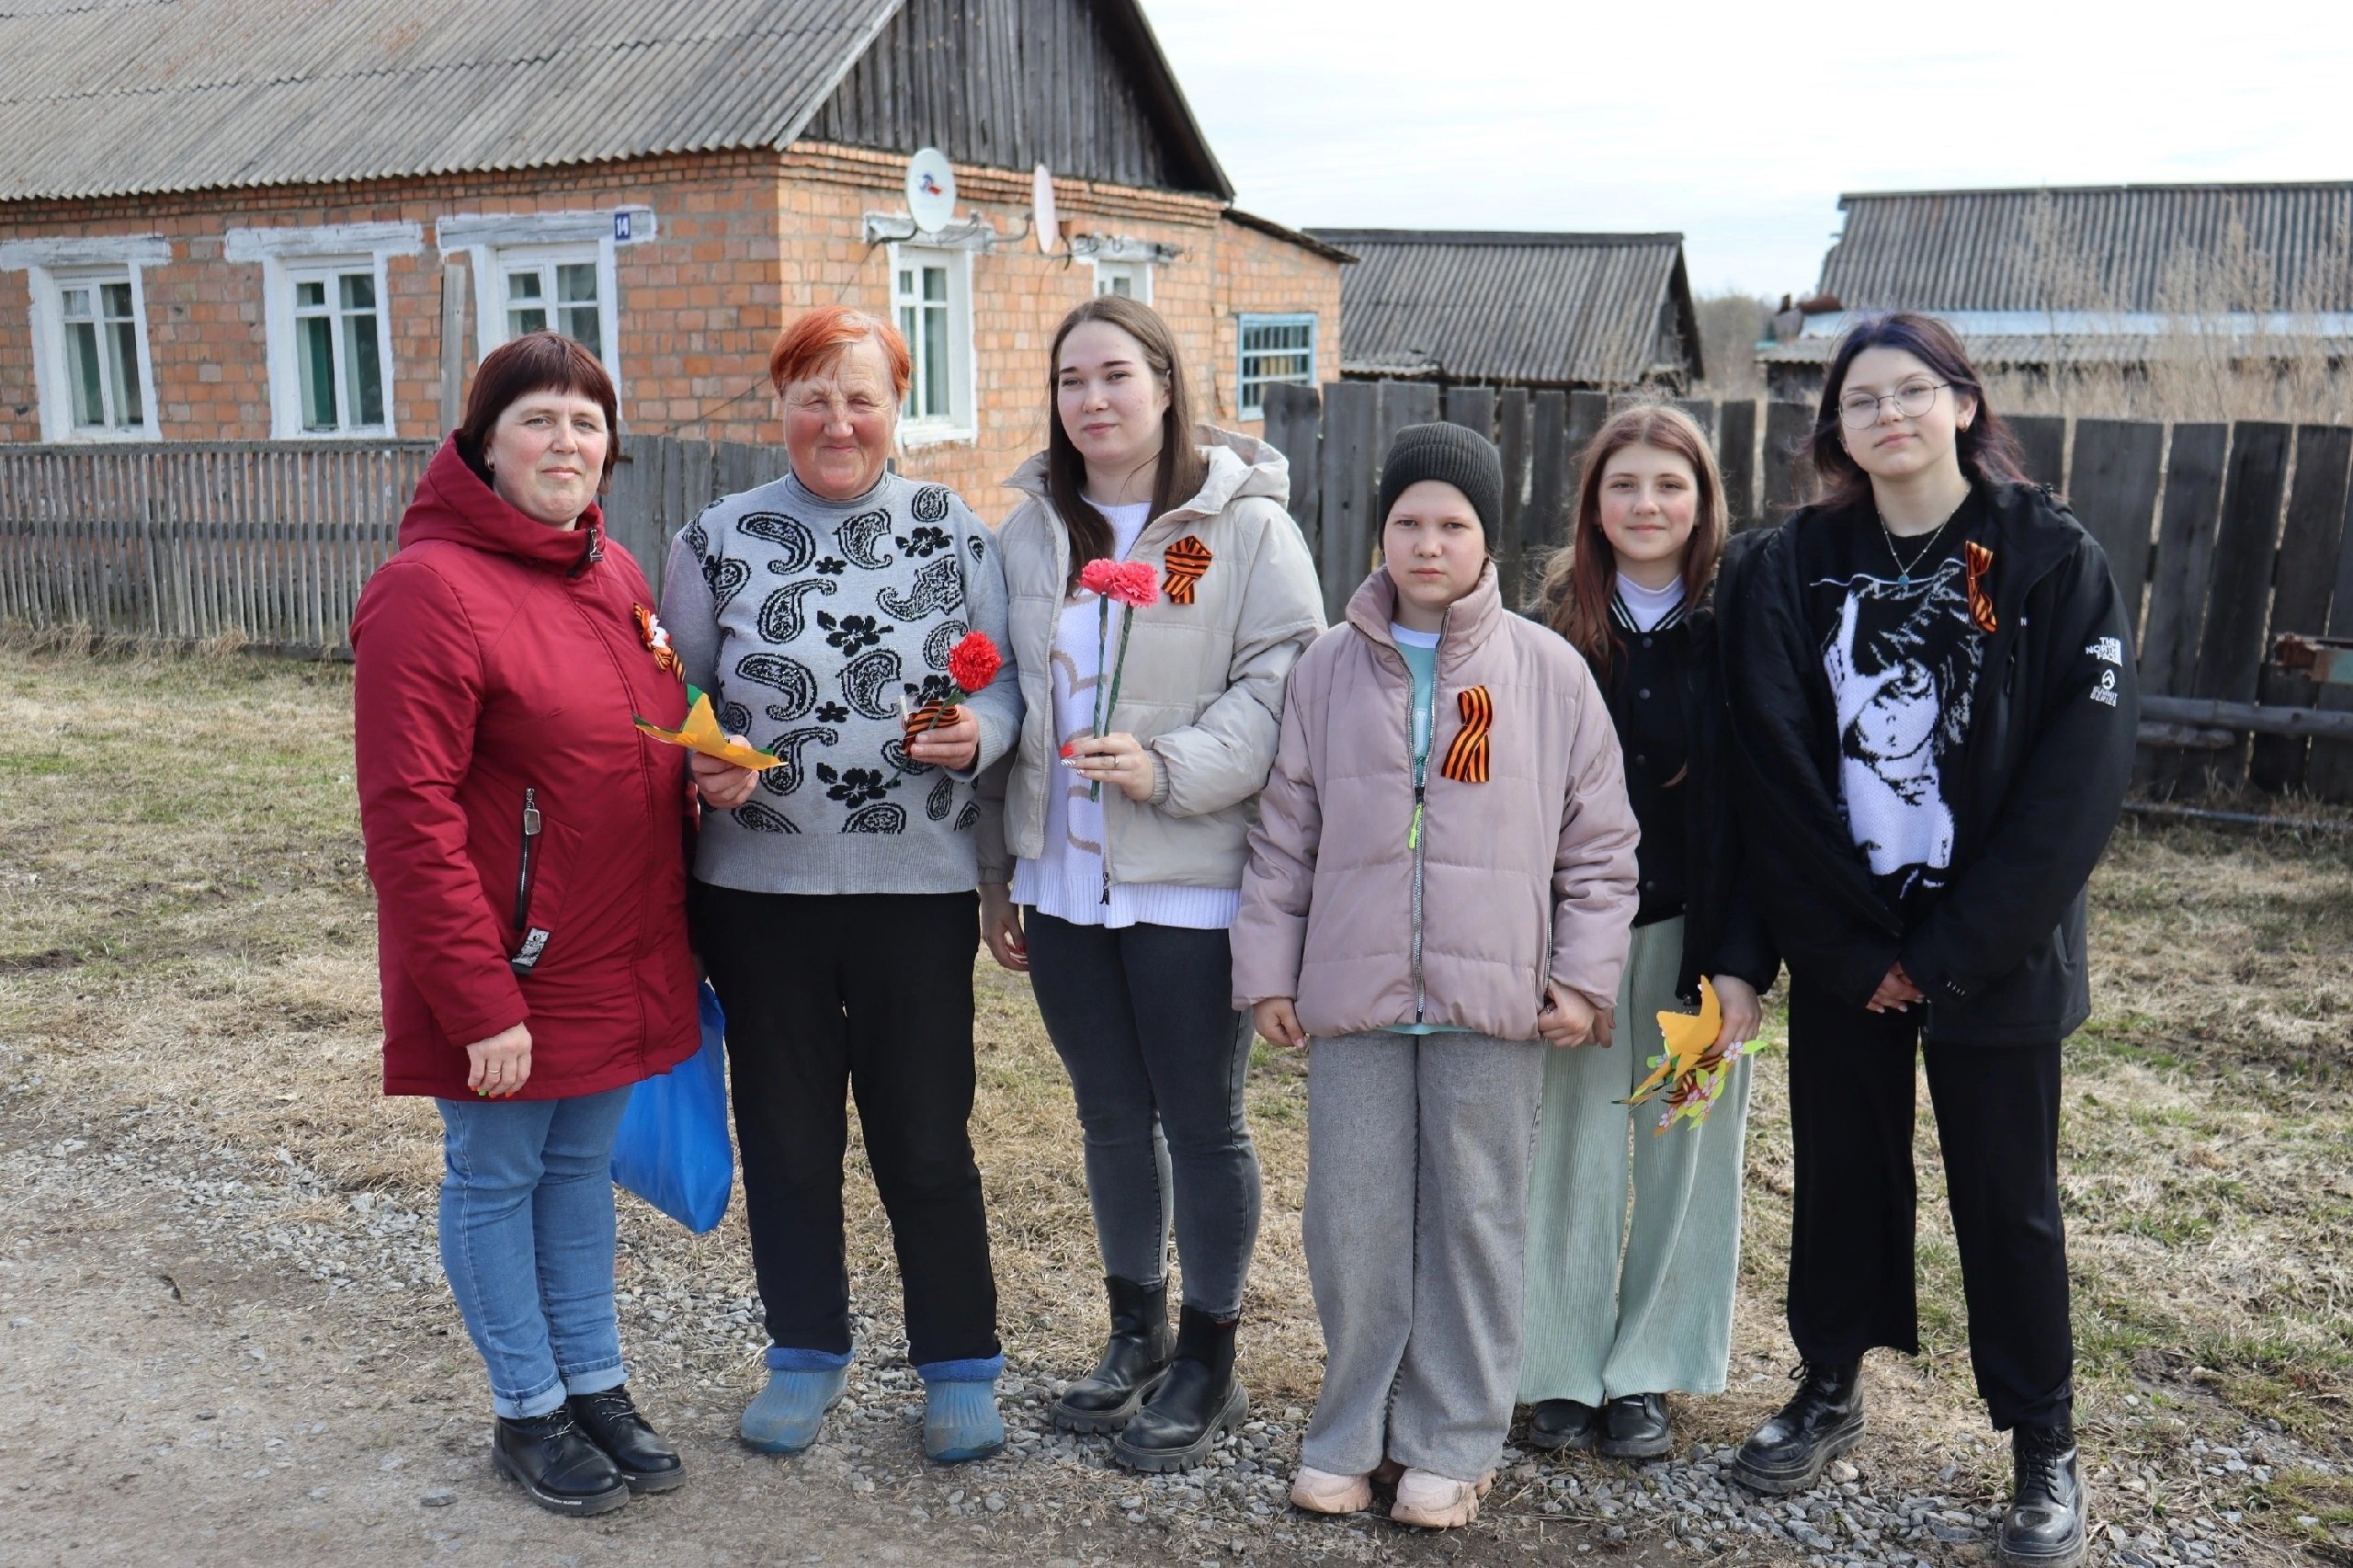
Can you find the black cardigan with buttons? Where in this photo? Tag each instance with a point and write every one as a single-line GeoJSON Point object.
{"type": "Point", "coordinates": [1668, 702]}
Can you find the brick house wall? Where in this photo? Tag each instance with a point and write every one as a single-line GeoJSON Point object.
{"type": "Point", "coordinates": [744, 240]}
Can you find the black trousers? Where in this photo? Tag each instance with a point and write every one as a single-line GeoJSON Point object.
{"type": "Point", "coordinates": [1851, 1270]}
{"type": "Point", "coordinates": [871, 994]}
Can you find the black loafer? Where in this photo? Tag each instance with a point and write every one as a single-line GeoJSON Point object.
{"type": "Point", "coordinates": [1561, 1423]}
{"type": "Point", "coordinates": [2044, 1527]}
{"type": "Point", "coordinates": [1823, 1420]}
{"type": "Point", "coordinates": [646, 1463]}
{"type": "Point", "coordinates": [1634, 1427]}
{"type": "Point", "coordinates": [554, 1461]}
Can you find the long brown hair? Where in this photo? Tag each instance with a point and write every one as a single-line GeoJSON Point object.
{"type": "Point", "coordinates": [1182, 466]}
{"type": "Point", "coordinates": [1988, 452]}
{"type": "Point", "coordinates": [1582, 576]}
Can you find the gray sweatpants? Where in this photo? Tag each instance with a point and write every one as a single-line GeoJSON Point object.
{"type": "Point", "coordinates": [1418, 1148]}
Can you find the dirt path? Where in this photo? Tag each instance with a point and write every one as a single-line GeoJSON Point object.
{"type": "Point", "coordinates": [173, 1399]}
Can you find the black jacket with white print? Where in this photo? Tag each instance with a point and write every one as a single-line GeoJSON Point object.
{"type": "Point", "coordinates": [2000, 950]}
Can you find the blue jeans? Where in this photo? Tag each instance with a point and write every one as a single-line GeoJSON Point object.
{"type": "Point", "coordinates": [527, 1241]}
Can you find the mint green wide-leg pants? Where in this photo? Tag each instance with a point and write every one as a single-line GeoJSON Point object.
{"type": "Point", "coordinates": [1617, 1303]}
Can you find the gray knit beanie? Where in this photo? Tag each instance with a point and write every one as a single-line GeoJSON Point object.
{"type": "Point", "coordinates": [1460, 457]}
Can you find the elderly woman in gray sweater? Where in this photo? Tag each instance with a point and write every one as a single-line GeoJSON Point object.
{"type": "Point", "coordinates": [834, 900]}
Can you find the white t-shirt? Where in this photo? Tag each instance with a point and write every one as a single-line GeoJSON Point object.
{"type": "Point", "coordinates": [1067, 880]}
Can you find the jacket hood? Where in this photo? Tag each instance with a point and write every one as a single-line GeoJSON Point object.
{"type": "Point", "coordinates": [1470, 621]}
{"type": "Point", "coordinates": [1240, 467]}
{"type": "Point", "coordinates": [453, 503]}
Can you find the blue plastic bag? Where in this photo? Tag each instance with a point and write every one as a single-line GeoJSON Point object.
{"type": "Point", "coordinates": [673, 1150]}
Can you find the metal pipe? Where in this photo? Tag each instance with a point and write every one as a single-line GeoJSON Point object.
{"type": "Point", "coordinates": [2236, 819]}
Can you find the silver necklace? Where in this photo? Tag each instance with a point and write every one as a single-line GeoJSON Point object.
{"type": "Point", "coordinates": [1902, 571]}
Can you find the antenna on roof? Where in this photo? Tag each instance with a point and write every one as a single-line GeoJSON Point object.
{"type": "Point", "coordinates": [1044, 227]}
{"type": "Point", "coordinates": [931, 189]}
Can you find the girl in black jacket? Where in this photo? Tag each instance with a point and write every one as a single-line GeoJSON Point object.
{"type": "Point", "coordinates": [1621, 1311]}
{"type": "Point", "coordinates": [1934, 711]}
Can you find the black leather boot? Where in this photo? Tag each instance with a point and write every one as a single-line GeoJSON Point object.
{"type": "Point", "coordinates": [611, 1420]}
{"type": "Point", "coordinates": [2044, 1527]}
{"type": "Point", "coordinates": [1131, 1366]}
{"type": "Point", "coordinates": [1634, 1427]}
{"type": "Point", "coordinates": [554, 1460]}
{"type": "Point", "coordinates": [1563, 1424]}
{"type": "Point", "coordinates": [1823, 1420]}
{"type": "Point", "coordinates": [1200, 1401]}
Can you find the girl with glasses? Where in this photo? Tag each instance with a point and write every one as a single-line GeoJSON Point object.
{"type": "Point", "coordinates": [1933, 709]}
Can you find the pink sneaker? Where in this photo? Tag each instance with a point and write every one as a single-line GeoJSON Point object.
{"type": "Point", "coordinates": [1320, 1491]}
{"type": "Point", "coordinates": [1436, 1502]}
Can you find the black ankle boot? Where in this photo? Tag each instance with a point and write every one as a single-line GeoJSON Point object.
{"type": "Point", "coordinates": [611, 1420]}
{"type": "Point", "coordinates": [1823, 1420]}
{"type": "Point", "coordinates": [2044, 1527]}
{"type": "Point", "coordinates": [1131, 1366]}
{"type": "Point", "coordinates": [1563, 1424]}
{"type": "Point", "coordinates": [1197, 1405]}
{"type": "Point", "coordinates": [554, 1460]}
{"type": "Point", "coordinates": [1635, 1427]}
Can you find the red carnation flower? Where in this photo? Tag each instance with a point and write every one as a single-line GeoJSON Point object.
{"type": "Point", "coordinates": [975, 662]}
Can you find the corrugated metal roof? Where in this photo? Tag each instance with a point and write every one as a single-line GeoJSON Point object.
{"type": "Point", "coordinates": [1534, 309]}
{"type": "Point", "coordinates": [2126, 247]}
{"type": "Point", "coordinates": [115, 97]}
{"type": "Point", "coordinates": [2112, 337]}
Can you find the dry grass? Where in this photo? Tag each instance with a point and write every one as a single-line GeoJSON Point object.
{"type": "Point", "coordinates": [186, 930]}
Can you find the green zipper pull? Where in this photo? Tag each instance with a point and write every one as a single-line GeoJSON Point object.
{"type": "Point", "coordinates": [1414, 834]}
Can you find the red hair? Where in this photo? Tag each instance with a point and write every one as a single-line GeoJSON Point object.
{"type": "Point", "coordinates": [1580, 579]}
{"type": "Point", "coordinates": [811, 345]}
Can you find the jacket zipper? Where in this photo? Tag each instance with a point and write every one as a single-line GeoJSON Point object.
{"type": "Point", "coordinates": [523, 870]}
{"type": "Point", "coordinates": [1415, 839]}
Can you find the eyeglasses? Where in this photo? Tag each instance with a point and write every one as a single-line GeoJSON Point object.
{"type": "Point", "coordinates": [1859, 410]}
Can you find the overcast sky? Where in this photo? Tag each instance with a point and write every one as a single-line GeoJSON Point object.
{"type": "Point", "coordinates": [1739, 125]}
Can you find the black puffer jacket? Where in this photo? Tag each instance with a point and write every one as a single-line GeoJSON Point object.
{"type": "Point", "coordinates": [2000, 953]}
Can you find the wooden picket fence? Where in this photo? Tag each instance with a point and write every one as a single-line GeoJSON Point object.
{"type": "Point", "coordinates": [267, 543]}
{"type": "Point", "coordinates": [2222, 539]}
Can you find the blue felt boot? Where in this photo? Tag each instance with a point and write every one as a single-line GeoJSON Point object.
{"type": "Point", "coordinates": [803, 1385]}
{"type": "Point", "coordinates": [960, 1418]}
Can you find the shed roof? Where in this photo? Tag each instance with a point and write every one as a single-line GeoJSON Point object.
{"type": "Point", "coordinates": [2117, 247]}
{"type": "Point", "coordinates": [1273, 230]}
{"type": "Point", "coordinates": [1531, 309]}
{"type": "Point", "coordinates": [119, 97]}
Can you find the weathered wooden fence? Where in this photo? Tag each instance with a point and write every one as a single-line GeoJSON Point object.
{"type": "Point", "coordinates": [268, 542]}
{"type": "Point", "coordinates": [2222, 539]}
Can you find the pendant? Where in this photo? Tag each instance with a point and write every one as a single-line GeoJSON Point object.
{"type": "Point", "coordinates": [1904, 579]}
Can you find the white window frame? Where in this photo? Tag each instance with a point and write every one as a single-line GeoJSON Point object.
{"type": "Point", "coordinates": [491, 243]}
{"type": "Point", "coordinates": [961, 423]}
{"type": "Point", "coordinates": [545, 260]}
{"type": "Point", "coordinates": [289, 256]}
{"type": "Point", "coordinates": [1242, 355]}
{"type": "Point", "coordinates": [51, 267]}
{"type": "Point", "coordinates": [1137, 273]}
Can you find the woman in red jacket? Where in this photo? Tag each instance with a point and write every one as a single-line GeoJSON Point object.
{"type": "Point", "coordinates": [526, 844]}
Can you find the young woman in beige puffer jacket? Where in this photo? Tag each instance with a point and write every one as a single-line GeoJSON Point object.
{"type": "Point", "coordinates": [1441, 884]}
{"type": "Point", "coordinates": [1111, 861]}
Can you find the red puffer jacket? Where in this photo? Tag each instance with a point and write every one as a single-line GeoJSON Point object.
{"type": "Point", "coordinates": [527, 843]}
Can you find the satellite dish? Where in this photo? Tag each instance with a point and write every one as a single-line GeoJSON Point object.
{"type": "Point", "coordinates": [931, 189]}
{"type": "Point", "coordinates": [1043, 225]}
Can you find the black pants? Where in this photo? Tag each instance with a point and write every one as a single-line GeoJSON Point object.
{"type": "Point", "coordinates": [871, 992]}
{"type": "Point", "coordinates": [1851, 1273]}
{"type": "Point", "coordinates": [1143, 1021]}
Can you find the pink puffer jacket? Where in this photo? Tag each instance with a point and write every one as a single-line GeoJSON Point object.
{"type": "Point", "coordinates": [1528, 873]}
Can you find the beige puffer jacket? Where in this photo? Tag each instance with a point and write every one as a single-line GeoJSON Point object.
{"type": "Point", "coordinates": [1527, 874]}
{"type": "Point", "coordinates": [1203, 688]}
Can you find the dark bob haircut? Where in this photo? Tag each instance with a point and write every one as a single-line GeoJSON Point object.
{"type": "Point", "coordinates": [1988, 452]}
{"type": "Point", "coordinates": [535, 362]}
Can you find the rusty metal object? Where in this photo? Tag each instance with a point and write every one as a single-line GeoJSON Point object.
{"type": "Point", "coordinates": [2325, 659]}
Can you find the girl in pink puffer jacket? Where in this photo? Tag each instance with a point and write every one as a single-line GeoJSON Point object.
{"type": "Point", "coordinates": [1441, 884]}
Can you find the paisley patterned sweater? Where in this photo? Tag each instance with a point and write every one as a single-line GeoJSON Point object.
{"type": "Point", "coordinates": [807, 621]}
